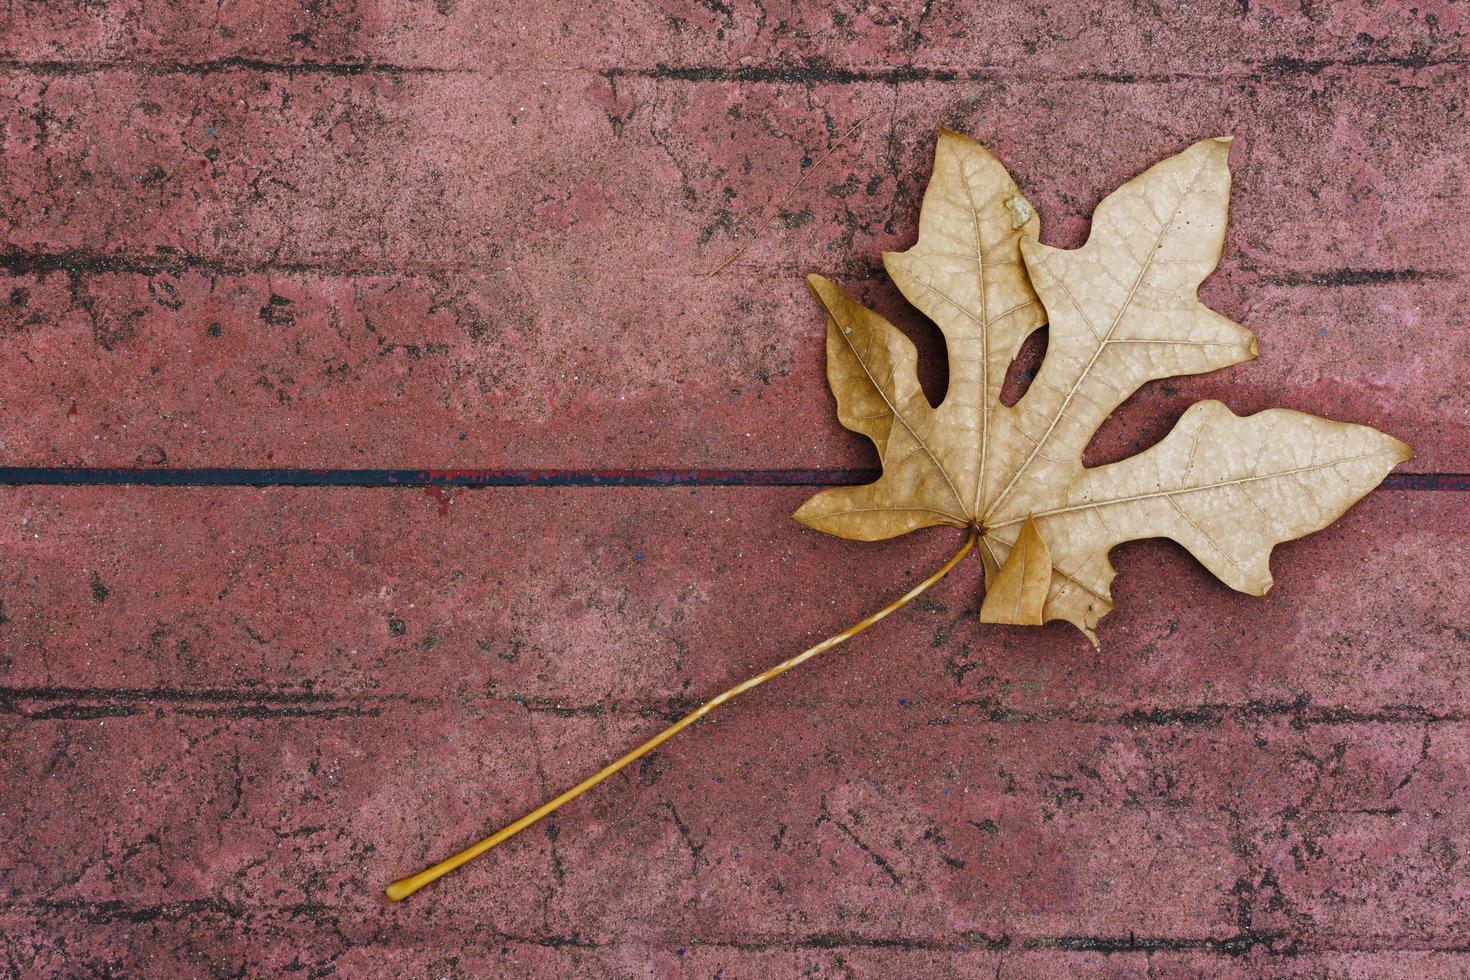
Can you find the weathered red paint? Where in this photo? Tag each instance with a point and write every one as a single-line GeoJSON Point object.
{"type": "Point", "coordinates": [338, 684]}
{"type": "Point", "coordinates": [1095, 36]}
{"type": "Point", "coordinates": [241, 315]}
{"type": "Point", "coordinates": [643, 597]}
{"type": "Point", "coordinates": [727, 378]}
{"type": "Point", "coordinates": [474, 234]}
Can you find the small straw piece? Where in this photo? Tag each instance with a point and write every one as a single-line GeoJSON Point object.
{"type": "Point", "coordinates": [786, 197]}
{"type": "Point", "coordinates": [405, 887]}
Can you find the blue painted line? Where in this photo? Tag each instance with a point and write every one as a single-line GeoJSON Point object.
{"type": "Point", "coordinates": [247, 477]}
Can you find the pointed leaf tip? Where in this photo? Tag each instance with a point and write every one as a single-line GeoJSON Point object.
{"type": "Point", "coordinates": [1018, 594]}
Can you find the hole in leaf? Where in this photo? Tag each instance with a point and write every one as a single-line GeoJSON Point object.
{"type": "Point", "coordinates": [1023, 369]}
{"type": "Point", "coordinates": [1145, 417]}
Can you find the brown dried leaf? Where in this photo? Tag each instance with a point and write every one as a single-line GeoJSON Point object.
{"type": "Point", "coordinates": [1123, 310]}
{"type": "Point", "coordinates": [965, 273]}
{"type": "Point", "coordinates": [1017, 593]}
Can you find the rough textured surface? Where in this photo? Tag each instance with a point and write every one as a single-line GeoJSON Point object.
{"type": "Point", "coordinates": [387, 234]}
{"type": "Point", "coordinates": [382, 284]}
{"type": "Point", "coordinates": [335, 684]}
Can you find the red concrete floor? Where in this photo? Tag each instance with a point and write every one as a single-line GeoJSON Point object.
{"type": "Point", "coordinates": [474, 234]}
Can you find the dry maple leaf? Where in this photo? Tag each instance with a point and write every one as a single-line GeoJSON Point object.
{"type": "Point", "coordinates": [1122, 310]}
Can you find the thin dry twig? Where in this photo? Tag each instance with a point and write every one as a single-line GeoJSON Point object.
{"type": "Point", "coordinates": [787, 196]}
{"type": "Point", "coordinates": [405, 887]}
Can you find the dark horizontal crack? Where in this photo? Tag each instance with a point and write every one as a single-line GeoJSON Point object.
{"type": "Point", "coordinates": [670, 709]}
{"type": "Point", "coordinates": [1356, 277]}
{"type": "Point", "coordinates": [1237, 945]}
{"type": "Point", "coordinates": [994, 711]}
{"type": "Point", "coordinates": [65, 702]}
{"type": "Point", "coordinates": [1270, 943]}
{"type": "Point", "coordinates": [82, 702]}
{"type": "Point", "coordinates": [1315, 66]}
{"type": "Point", "coordinates": [74, 712]}
{"type": "Point", "coordinates": [74, 703]}
{"type": "Point", "coordinates": [261, 711]}
{"type": "Point", "coordinates": [847, 940]}
{"type": "Point", "coordinates": [215, 65]}
{"type": "Point", "coordinates": [822, 71]}
{"type": "Point", "coordinates": [1300, 711]}
{"type": "Point", "coordinates": [118, 911]}
{"type": "Point", "coordinates": [807, 71]}
{"type": "Point", "coordinates": [166, 260]}
{"type": "Point", "coordinates": [812, 71]}
{"type": "Point", "coordinates": [86, 262]}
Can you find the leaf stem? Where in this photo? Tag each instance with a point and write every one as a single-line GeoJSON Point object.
{"type": "Point", "coordinates": [405, 887]}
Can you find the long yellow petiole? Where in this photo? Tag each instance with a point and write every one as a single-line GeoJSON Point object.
{"type": "Point", "coordinates": [405, 887]}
